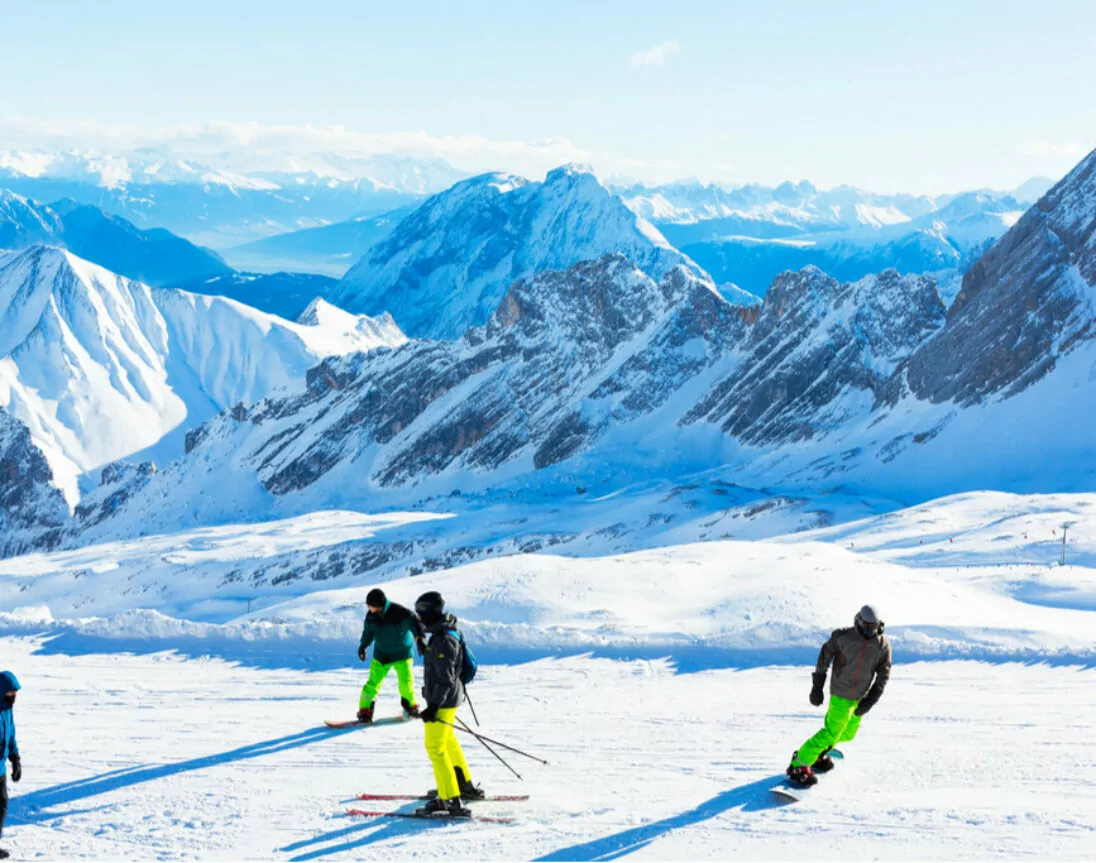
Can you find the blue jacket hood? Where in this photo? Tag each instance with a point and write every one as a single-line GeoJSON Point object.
{"type": "Point", "coordinates": [8, 682]}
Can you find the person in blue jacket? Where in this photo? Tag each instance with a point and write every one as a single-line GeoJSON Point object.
{"type": "Point", "coordinates": [9, 749]}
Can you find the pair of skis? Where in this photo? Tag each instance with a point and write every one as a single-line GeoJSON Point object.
{"type": "Point", "coordinates": [441, 816]}
{"type": "Point", "coordinates": [790, 791]}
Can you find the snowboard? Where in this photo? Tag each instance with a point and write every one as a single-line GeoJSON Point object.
{"type": "Point", "coordinates": [787, 791]}
{"type": "Point", "coordinates": [502, 798]}
{"type": "Point", "coordinates": [354, 723]}
{"type": "Point", "coordinates": [443, 818]}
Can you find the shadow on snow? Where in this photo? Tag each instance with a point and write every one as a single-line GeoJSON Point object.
{"type": "Point", "coordinates": [751, 797]}
{"type": "Point", "coordinates": [42, 805]}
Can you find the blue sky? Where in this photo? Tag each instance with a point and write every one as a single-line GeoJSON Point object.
{"type": "Point", "coordinates": [924, 97]}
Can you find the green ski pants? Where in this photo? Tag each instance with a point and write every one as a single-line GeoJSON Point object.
{"type": "Point", "coordinates": [378, 671]}
{"type": "Point", "coordinates": [840, 726]}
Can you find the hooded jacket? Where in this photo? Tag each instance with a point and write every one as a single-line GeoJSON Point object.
{"type": "Point", "coordinates": [441, 665]}
{"type": "Point", "coordinates": [8, 747]}
{"type": "Point", "coordinates": [857, 662]}
{"type": "Point", "coordinates": [392, 633]}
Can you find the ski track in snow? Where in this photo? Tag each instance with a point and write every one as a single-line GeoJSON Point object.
{"type": "Point", "coordinates": [177, 759]}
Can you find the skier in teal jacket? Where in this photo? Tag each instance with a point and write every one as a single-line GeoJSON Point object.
{"type": "Point", "coordinates": [393, 631]}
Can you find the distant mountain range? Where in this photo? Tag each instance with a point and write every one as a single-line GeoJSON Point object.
{"type": "Point", "coordinates": [599, 370]}
{"type": "Point", "coordinates": [156, 256]}
{"type": "Point", "coordinates": [215, 206]}
{"type": "Point", "coordinates": [750, 234]}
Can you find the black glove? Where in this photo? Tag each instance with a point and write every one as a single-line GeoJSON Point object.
{"type": "Point", "coordinates": [361, 652]}
{"type": "Point", "coordinates": [420, 643]}
{"type": "Point", "coordinates": [817, 695]}
{"type": "Point", "coordinates": [16, 768]}
{"type": "Point", "coordinates": [430, 714]}
{"type": "Point", "coordinates": [868, 701]}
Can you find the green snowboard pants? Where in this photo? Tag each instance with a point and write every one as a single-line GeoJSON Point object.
{"type": "Point", "coordinates": [840, 726]}
{"type": "Point", "coordinates": [378, 671]}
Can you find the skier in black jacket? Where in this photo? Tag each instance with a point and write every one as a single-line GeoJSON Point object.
{"type": "Point", "coordinates": [443, 692]}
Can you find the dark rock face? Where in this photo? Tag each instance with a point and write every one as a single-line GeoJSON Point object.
{"type": "Point", "coordinates": [566, 355]}
{"type": "Point", "coordinates": [32, 511]}
{"type": "Point", "coordinates": [1024, 303]}
{"type": "Point", "coordinates": [815, 341]}
{"type": "Point", "coordinates": [118, 482]}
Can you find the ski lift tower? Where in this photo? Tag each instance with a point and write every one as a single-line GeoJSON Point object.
{"type": "Point", "coordinates": [1066, 525]}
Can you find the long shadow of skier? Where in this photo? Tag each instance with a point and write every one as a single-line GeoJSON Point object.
{"type": "Point", "coordinates": [41, 805]}
{"type": "Point", "coordinates": [751, 797]}
{"type": "Point", "coordinates": [377, 832]}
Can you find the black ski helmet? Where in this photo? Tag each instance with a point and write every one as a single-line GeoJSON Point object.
{"type": "Point", "coordinates": [430, 607]}
{"type": "Point", "coordinates": [868, 622]}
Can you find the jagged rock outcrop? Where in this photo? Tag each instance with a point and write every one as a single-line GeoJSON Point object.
{"type": "Point", "coordinates": [1030, 298]}
{"type": "Point", "coordinates": [566, 355]}
{"type": "Point", "coordinates": [820, 353]}
{"type": "Point", "coordinates": [32, 511]}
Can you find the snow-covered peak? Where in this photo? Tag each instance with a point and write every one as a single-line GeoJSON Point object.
{"type": "Point", "coordinates": [447, 265]}
{"type": "Point", "coordinates": [100, 367]}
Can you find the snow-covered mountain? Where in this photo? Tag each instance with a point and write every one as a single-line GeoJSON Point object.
{"type": "Point", "coordinates": [600, 373]}
{"type": "Point", "coordinates": [100, 367]}
{"type": "Point", "coordinates": [156, 256]}
{"type": "Point", "coordinates": [446, 266]}
{"type": "Point", "coordinates": [220, 201]}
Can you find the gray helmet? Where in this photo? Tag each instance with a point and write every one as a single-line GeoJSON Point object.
{"type": "Point", "coordinates": [868, 622]}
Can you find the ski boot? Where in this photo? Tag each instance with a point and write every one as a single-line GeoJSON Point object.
{"type": "Point", "coordinates": [365, 715]}
{"type": "Point", "coordinates": [800, 776]}
{"type": "Point", "coordinates": [410, 711]}
{"type": "Point", "coordinates": [468, 791]}
{"type": "Point", "coordinates": [823, 763]}
{"type": "Point", "coordinates": [438, 808]}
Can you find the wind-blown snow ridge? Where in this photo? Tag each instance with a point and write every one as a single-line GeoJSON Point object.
{"type": "Point", "coordinates": [100, 367]}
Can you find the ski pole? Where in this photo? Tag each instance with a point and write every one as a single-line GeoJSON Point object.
{"type": "Point", "coordinates": [490, 740]}
{"type": "Point", "coordinates": [492, 751]}
{"type": "Point", "coordinates": [471, 706]}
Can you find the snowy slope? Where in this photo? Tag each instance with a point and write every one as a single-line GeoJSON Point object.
{"type": "Point", "coordinates": [446, 266]}
{"type": "Point", "coordinates": [248, 772]}
{"type": "Point", "coordinates": [100, 367]}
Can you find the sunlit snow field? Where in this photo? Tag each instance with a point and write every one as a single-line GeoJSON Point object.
{"type": "Point", "coordinates": [667, 688]}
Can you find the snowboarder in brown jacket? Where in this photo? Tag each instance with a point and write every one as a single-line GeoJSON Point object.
{"type": "Point", "coordinates": [861, 657]}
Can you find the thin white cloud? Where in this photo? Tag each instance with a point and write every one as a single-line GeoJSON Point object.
{"type": "Point", "coordinates": [1052, 148]}
{"type": "Point", "coordinates": [656, 56]}
{"type": "Point", "coordinates": [36, 145]}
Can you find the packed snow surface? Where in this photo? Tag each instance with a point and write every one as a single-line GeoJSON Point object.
{"type": "Point", "coordinates": [202, 737]}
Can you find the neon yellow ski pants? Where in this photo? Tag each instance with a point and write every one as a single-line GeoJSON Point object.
{"type": "Point", "coordinates": [445, 753]}
{"type": "Point", "coordinates": [378, 671]}
{"type": "Point", "coordinates": [840, 726]}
